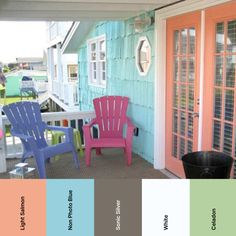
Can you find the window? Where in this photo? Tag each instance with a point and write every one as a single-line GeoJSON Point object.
{"type": "Point", "coordinates": [143, 55]}
{"type": "Point", "coordinates": [97, 61]}
{"type": "Point", "coordinates": [72, 71]}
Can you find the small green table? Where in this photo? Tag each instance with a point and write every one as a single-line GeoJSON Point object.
{"type": "Point", "coordinates": [57, 135]}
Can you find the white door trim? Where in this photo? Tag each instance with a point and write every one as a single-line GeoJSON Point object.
{"type": "Point", "coordinates": [160, 73]}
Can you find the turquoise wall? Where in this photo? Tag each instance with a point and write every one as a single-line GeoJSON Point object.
{"type": "Point", "coordinates": [123, 79]}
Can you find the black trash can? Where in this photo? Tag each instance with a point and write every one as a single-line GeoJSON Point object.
{"type": "Point", "coordinates": [207, 165]}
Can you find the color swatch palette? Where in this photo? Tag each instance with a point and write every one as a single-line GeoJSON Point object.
{"type": "Point", "coordinates": [117, 207]}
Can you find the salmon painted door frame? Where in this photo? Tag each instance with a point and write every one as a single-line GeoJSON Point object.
{"type": "Point", "coordinates": [182, 93]}
{"type": "Point", "coordinates": [219, 111]}
{"type": "Point", "coordinates": [160, 73]}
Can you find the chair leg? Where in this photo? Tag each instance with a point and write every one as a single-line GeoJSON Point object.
{"type": "Point", "coordinates": [88, 156]}
{"type": "Point", "coordinates": [75, 157]}
{"type": "Point", "coordinates": [23, 158]}
{"type": "Point", "coordinates": [98, 151]}
{"type": "Point", "coordinates": [79, 143]}
{"type": "Point", "coordinates": [40, 165]}
{"type": "Point", "coordinates": [128, 152]}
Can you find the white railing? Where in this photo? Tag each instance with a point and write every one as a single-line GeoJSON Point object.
{"type": "Point", "coordinates": [40, 86]}
{"type": "Point", "coordinates": [71, 96]}
{"type": "Point", "coordinates": [10, 147]}
{"type": "Point", "coordinates": [66, 92]}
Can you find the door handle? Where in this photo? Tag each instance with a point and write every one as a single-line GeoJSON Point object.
{"type": "Point", "coordinates": [195, 114]}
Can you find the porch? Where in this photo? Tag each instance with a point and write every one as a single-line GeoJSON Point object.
{"type": "Point", "coordinates": [111, 164]}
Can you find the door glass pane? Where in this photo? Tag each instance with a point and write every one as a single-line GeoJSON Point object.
{"type": "Point", "coordinates": [183, 96]}
{"type": "Point", "coordinates": [182, 147]}
{"type": "Point", "coordinates": [182, 123]}
{"type": "Point", "coordinates": [183, 68]}
{"type": "Point", "coordinates": [190, 98]}
{"type": "Point", "coordinates": [218, 103]}
{"type": "Point", "coordinates": [220, 37]}
{"type": "Point", "coordinates": [229, 105]}
{"type": "Point", "coordinates": [175, 121]}
{"type": "Point", "coordinates": [176, 96]}
{"type": "Point", "coordinates": [216, 135]}
{"type": "Point", "coordinates": [191, 69]}
{"type": "Point", "coordinates": [176, 68]}
{"type": "Point", "coordinates": [219, 71]}
{"type": "Point", "coordinates": [190, 125]}
{"type": "Point", "coordinates": [184, 35]}
{"type": "Point", "coordinates": [174, 145]}
{"type": "Point", "coordinates": [192, 37]}
{"type": "Point", "coordinates": [227, 139]}
{"type": "Point", "coordinates": [190, 146]}
{"type": "Point", "coordinates": [230, 71]}
{"type": "Point", "coordinates": [231, 39]}
{"type": "Point", "coordinates": [176, 42]}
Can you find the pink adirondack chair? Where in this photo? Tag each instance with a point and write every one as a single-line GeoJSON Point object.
{"type": "Point", "coordinates": [111, 119]}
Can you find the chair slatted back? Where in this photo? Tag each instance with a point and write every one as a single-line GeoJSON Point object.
{"type": "Point", "coordinates": [25, 118]}
{"type": "Point", "coordinates": [111, 115]}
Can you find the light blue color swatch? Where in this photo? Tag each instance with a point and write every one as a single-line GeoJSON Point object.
{"type": "Point", "coordinates": [70, 207]}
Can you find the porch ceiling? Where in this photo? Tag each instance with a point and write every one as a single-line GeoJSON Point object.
{"type": "Point", "coordinates": [76, 10]}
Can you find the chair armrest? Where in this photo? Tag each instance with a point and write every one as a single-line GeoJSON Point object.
{"type": "Point", "coordinates": [67, 130]}
{"type": "Point", "coordinates": [58, 128]}
{"type": "Point", "coordinates": [90, 124]}
{"type": "Point", "coordinates": [130, 124]}
{"type": "Point", "coordinates": [129, 131]}
{"type": "Point", "coordinates": [21, 136]}
{"type": "Point", "coordinates": [87, 127]}
{"type": "Point", "coordinates": [28, 139]}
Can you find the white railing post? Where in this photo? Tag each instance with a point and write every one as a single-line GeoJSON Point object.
{"type": "Point", "coordinates": [3, 166]}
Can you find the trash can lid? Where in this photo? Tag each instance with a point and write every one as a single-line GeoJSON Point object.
{"type": "Point", "coordinates": [207, 158]}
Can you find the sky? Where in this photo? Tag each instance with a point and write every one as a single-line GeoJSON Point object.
{"type": "Point", "coordinates": [21, 39]}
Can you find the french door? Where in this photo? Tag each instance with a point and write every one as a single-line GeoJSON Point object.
{"type": "Point", "coordinates": [219, 84]}
{"type": "Point", "coordinates": [220, 80]}
{"type": "Point", "coordinates": [183, 39]}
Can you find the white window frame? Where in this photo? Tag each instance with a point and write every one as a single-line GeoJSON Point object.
{"type": "Point", "coordinates": [72, 79]}
{"type": "Point", "coordinates": [98, 81]}
{"type": "Point", "coordinates": [141, 40]}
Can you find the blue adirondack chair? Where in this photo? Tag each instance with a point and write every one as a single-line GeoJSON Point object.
{"type": "Point", "coordinates": [26, 124]}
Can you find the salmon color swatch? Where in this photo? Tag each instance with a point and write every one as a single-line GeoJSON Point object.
{"type": "Point", "coordinates": [23, 207]}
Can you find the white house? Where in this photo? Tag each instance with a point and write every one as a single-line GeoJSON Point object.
{"type": "Point", "coordinates": [62, 68]}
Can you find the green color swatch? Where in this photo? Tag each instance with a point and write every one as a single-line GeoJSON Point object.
{"type": "Point", "coordinates": [212, 207]}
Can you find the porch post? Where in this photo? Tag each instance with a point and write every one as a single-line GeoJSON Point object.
{"type": "Point", "coordinates": [160, 93]}
{"type": "Point", "coordinates": [51, 73]}
{"type": "Point", "coordinates": [59, 72]}
{"type": "Point", "coordinates": [201, 81]}
{"type": "Point", "coordinates": [59, 63]}
{"type": "Point", "coordinates": [3, 166]}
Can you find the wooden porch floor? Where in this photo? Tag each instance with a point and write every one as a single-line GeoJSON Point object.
{"type": "Point", "coordinates": [111, 164]}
